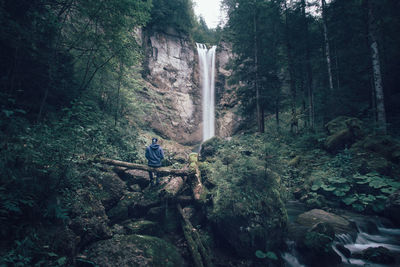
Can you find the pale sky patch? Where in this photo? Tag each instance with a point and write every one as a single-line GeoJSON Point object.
{"type": "Point", "coordinates": [209, 10]}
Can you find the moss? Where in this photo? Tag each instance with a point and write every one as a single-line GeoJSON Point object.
{"type": "Point", "coordinates": [193, 157]}
{"type": "Point", "coordinates": [134, 250]}
{"type": "Point", "coordinates": [295, 161]}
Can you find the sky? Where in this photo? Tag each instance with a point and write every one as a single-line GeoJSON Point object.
{"type": "Point", "coordinates": [209, 10]}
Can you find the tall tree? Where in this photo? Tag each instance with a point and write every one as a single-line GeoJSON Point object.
{"type": "Point", "coordinates": [376, 68]}
{"type": "Point", "coordinates": [292, 79]}
{"type": "Point", "coordinates": [308, 67]}
{"type": "Point", "coordinates": [327, 47]}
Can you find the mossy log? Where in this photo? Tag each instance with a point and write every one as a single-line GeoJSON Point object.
{"type": "Point", "coordinates": [162, 170]}
{"type": "Point", "coordinates": [197, 185]}
{"type": "Point", "coordinates": [173, 187]}
{"type": "Point", "coordinates": [198, 250]}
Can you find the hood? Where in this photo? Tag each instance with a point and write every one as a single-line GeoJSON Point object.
{"type": "Point", "coordinates": [154, 146]}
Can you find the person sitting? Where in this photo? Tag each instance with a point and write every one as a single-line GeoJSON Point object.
{"type": "Point", "coordinates": [154, 155]}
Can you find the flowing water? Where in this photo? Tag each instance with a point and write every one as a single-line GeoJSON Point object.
{"type": "Point", "coordinates": [207, 76]}
{"type": "Point", "coordinates": [382, 236]}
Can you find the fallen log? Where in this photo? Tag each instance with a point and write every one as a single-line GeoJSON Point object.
{"type": "Point", "coordinates": [173, 187]}
{"type": "Point", "coordinates": [201, 256]}
{"type": "Point", "coordinates": [161, 171]}
{"type": "Point", "coordinates": [197, 185]}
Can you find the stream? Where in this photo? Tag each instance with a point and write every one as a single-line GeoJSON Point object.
{"type": "Point", "coordinates": [371, 232]}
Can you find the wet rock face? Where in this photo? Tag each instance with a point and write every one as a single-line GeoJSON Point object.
{"type": "Point", "coordinates": [171, 65]}
{"type": "Point", "coordinates": [314, 232]}
{"type": "Point", "coordinates": [227, 120]}
{"type": "Point", "coordinates": [174, 87]}
{"type": "Point", "coordinates": [134, 250]}
{"type": "Point", "coordinates": [377, 255]}
{"type": "Point", "coordinates": [313, 217]}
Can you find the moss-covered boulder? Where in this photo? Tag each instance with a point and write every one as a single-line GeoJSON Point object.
{"type": "Point", "coordinates": [110, 188]}
{"type": "Point", "coordinates": [142, 227]}
{"type": "Point", "coordinates": [210, 147]}
{"type": "Point", "coordinates": [392, 207]}
{"type": "Point", "coordinates": [344, 122]}
{"type": "Point", "coordinates": [313, 217]}
{"type": "Point", "coordinates": [343, 132]}
{"type": "Point", "coordinates": [88, 217]}
{"type": "Point", "coordinates": [382, 145]}
{"type": "Point", "coordinates": [378, 255]}
{"type": "Point", "coordinates": [314, 232]}
{"type": "Point", "coordinates": [125, 207]}
{"type": "Point", "coordinates": [134, 250]}
{"type": "Point", "coordinates": [139, 177]}
{"type": "Point", "coordinates": [250, 217]}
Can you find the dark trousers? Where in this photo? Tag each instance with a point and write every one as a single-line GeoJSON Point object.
{"type": "Point", "coordinates": [152, 176]}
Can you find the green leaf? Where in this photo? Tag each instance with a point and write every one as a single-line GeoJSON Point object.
{"type": "Point", "coordinates": [52, 254]}
{"type": "Point", "coordinates": [61, 261]}
{"type": "Point", "coordinates": [328, 188]}
{"type": "Point", "coordinates": [388, 190]}
{"type": "Point", "coordinates": [271, 255]}
{"type": "Point", "coordinates": [358, 207]}
{"type": "Point", "coordinates": [315, 187]}
{"type": "Point", "coordinates": [349, 200]}
{"type": "Point", "coordinates": [339, 193]}
{"type": "Point", "coordinates": [377, 183]}
{"type": "Point", "coordinates": [366, 199]}
{"type": "Point", "coordinates": [260, 254]}
{"type": "Point", "coordinates": [8, 113]}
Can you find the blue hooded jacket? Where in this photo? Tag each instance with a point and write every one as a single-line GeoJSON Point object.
{"type": "Point", "coordinates": [154, 155]}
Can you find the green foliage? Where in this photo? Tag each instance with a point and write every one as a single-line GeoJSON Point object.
{"type": "Point", "coordinates": [318, 241]}
{"type": "Point", "coordinates": [360, 192]}
{"type": "Point", "coordinates": [269, 254]}
{"type": "Point", "coordinates": [202, 34]}
{"type": "Point", "coordinates": [174, 14]}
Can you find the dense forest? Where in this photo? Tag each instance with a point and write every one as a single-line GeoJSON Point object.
{"type": "Point", "coordinates": [313, 83]}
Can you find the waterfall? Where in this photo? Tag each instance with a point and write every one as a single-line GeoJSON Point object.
{"type": "Point", "coordinates": [207, 77]}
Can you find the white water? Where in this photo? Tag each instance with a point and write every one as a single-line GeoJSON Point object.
{"type": "Point", "coordinates": [384, 237]}
{"type": "Point", "coordinates": [207, 76]}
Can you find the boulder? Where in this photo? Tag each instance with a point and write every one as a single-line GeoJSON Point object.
{"type": "Point", "coordinates": [314, 232]}
{"type": "Point", "coordinates": [378, 255]}
{"type": "Point", "coordinates": [392, 207]}
{"type": "Point", "coordinates": [142, 227]}
{"type": "Point", "coordinates": [251, 223]}
{"type": "Point", "coordinates": [88, 217]}
{"type": "Point", "coordinates": [384, 145]}
{"type": "Point", "coordinates": [111, 189]}
{"type": "Point", "coordinates": [156, 213]}
{"type": "Point", "coordinates": [340, 225]}
{"type": "Point", "coordinates": [134, 250]}
{"type": "Point", "coordinates": [125, 207]}
{"type": "Point", "coordinates": [344, 122]}
{"type": "Point", "coordinates": [343, 132]}
{"type": "Point", "coordinates": [339, 140]}
{"type": "Point", "coordinates": [138, 177]}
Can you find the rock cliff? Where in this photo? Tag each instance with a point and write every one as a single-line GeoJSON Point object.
{"type": "Point", "coordinates": [173, 87]}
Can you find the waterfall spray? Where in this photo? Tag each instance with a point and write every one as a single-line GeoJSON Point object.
{"type": "Point", "coordinates": [207, 76]}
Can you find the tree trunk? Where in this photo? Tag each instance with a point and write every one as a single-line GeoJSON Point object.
{"type": "Point", "coordinates": [162, 171]}
{"type": "Point", "coordinates": [294, 122]}
{"type": "Point", "coordinates": [120, 73]}
{"type": "Point", "coordinates": [201, 256]}
{"type": "Point", "coordinates": [327, 49]}
{"type": "Point", "coordinates": [260, 119]}
{"type": "Point", "coordinates": [310, 92]}
{"type": "Point", "coordinates": [376, 67]}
